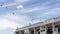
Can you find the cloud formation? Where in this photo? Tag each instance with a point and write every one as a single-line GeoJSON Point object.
{"type": "Point", "coordinates": [20, 7]}
{"type": "Point", "coordinates": [23, 9]}
{"type": "Point", "coordinates": [7, 21]}
{"type": "Point", "coordinates": [16, 2]}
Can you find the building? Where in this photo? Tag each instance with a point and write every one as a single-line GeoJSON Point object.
{"type": "Point", "coordinates": [50, 26]}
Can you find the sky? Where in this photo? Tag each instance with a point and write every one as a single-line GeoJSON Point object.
{"type": "Point", "coordinates": [20, 13]}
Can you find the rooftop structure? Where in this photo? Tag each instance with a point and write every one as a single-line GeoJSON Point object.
{"type": "Point", "coordinates": [50, 26]}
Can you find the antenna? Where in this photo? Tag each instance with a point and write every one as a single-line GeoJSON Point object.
{"type": "Point", "coordinates": [40, 19]}
{"type": "Point", "coordinates": [31, 19]}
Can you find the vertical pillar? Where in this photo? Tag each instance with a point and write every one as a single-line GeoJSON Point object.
{"type": "Point", "coordinates": [19, 32]}
{"type": "Point", "coordinates": [39, 30]}
{"type": "Point", "coordinates": [14, 32]}
{"type": "Point", "coordinates": [34, 31]}
{"type": "Point", "coordinates": [43, 30]}
{"type": "Point", "coordinates": [53, 28]}
{"type": "Point", "coordinates": [28, 31]}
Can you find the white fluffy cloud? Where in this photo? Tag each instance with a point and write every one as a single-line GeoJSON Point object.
{"type": "Point", "coordinates": [20, 7]}
{"type": "Point", "coordinates": [6, 21]}
{"type": "Point", "coordinates": [4, 24]}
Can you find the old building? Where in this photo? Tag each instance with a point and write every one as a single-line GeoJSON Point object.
{"type": "Point", "coordinates": [50, 26]}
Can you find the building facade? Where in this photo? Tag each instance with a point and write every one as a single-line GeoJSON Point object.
{"type": "Point", "coordinates": [50, 26]}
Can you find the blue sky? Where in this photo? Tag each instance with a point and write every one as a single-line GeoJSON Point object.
{"type": "Point", "coordinates": [24, 11]}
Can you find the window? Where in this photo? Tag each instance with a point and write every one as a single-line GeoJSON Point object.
{"type": "Point", "coordinates": [17, 32]}
{"type": "Point", "coordinates": [42, 28]}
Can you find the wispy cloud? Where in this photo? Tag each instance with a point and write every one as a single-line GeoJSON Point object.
{"type": "Point", "coordinates": [40, 9]}
{"type": "Point", "coordinates": [22, 0]}
{"type": "Point", "coordinates": [34, 8]}
{"type": "Point", "coordinates": [16, 2]}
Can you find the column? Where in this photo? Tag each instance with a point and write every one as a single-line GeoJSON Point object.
{"type": "Point", "coordinates": [34, 31]}
{"type": "Point", "coordinates": [43, 30]}
{"type": "Point", "coordinates": [14, 32]}
{"type": "Point", "coordinates": [19, 32]}
{"type": "Point", "coordinates": [40, 30]}
{"type": "Point", "coordinates": [28, 31]}
{"type": "Point", "coordinates": [55, 30]}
